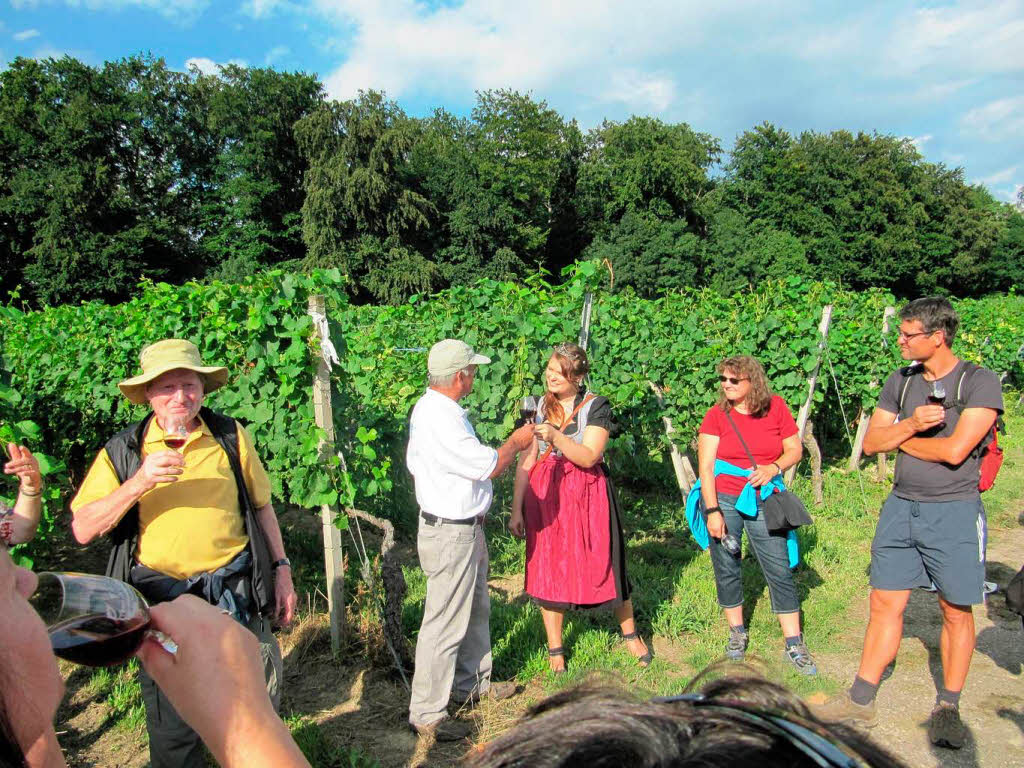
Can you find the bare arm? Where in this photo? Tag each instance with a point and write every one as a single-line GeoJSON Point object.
{"type": "Point", "coordinates": [527, 460]}
{"type": "Point", "coordinates": [284, 590]}
{"type": "Point", "coordinates": [792, 452]}
{"type": "Point", "coordinates": [518, 441]}
{"type": "Point", "coordinates": [586, 454]}
{"type": "Point", "coordinates": [29, 506]}
{"type": "Point", "coordinates": [973, 425]}
{"type": "Point", "coordinates": [886, 434]}
{"type": "Point", "coordinates": [707, 452]}
{"type": "Point", "coordinates": [99, 517]}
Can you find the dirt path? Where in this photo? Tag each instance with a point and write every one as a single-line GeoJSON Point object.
{"type": "Point", "coordinates": [992, 704]}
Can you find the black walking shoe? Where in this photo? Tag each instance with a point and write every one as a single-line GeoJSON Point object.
{"type": "Point", "coordinates": [945, 728]}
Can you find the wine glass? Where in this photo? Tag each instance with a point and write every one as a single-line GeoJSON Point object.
{"type": "Point", "coordinates": [938, 397]}
{"type": "Point", "coordinates": [528, 409]}
{"type": "Point", "coordinates": [93, 620]}
{"type": "Point", "coordinates": [175, 436]}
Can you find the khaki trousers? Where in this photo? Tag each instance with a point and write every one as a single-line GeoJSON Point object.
{"type": "Point", "coordinates": [453, 650]}
{"type": "Point", "coordinates": [172, 743]}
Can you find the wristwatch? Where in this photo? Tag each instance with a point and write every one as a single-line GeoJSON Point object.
{"type": "Point", "coordinates": [278, 563]}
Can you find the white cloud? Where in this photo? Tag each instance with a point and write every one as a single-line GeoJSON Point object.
{"type": "Point", "coordinates": [983, 36]}
{"type": "Point", "coordinates": [999, 178]}
{"type": "Point", "coordinates": [209, 66]}
{"type": "Point", "coordinates": [607, 51]}
{"type": "Point", "coordinates": [27, 34]}
{"type": "Point", "coordinates": [996, 121]}
{"type": "Point", "coordinates": [920, 141]}
{"type": "Point", "coordinates": [260, 9]}
{"type": "Point", "coordinates": [275, 54]}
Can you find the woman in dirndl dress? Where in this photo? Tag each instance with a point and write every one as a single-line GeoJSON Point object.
{"type": "Point", "coordinates": [566, 507]}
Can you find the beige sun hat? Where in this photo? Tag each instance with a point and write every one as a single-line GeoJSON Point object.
{"type": "Point", "coordinates": [169, 355]}
{"type": "Point", "coordinates": [451, 356]}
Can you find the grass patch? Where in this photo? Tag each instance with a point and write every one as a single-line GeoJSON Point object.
{"type": "Point", "coordinates": [319, 749]}
{"type": "Point", "coordinates": [119, 689]}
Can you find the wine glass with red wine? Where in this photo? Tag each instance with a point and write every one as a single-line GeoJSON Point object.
{"type": "Point", "coordinates": [175, 436]}
{"type": "Point", "coordinates": [938, 396]}
{"type": "Point", "coordinates": [91, 620]}
{"type": "Point", "coordinates": [528, 409]}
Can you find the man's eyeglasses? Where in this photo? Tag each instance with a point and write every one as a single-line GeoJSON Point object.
{"type": "Point", "coordinates": [731, 380]}
{"type": "Point", "coordinates": [909, 336]}
{"type": "Point", "coordinates": [807, 737]}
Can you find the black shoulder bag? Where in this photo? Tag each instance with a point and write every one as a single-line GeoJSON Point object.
{"type": "Point", "coordinates": [783, 510]}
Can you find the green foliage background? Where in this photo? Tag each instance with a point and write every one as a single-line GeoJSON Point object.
{"type": "Point", "coordinates": [64, 362]}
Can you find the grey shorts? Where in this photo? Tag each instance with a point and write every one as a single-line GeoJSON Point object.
{"type": "Point", "coordinates": [918, 542]}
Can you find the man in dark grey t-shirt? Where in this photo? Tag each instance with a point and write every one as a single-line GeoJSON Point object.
{"type": "Point", "coordinates": [937, 414]}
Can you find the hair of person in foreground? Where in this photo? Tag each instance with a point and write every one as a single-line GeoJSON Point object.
{"type": "Point", "coordinates": [733, 721]}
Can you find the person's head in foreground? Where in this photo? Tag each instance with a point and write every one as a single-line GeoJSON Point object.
{"type": "Point", "coordinates": [733, 722]}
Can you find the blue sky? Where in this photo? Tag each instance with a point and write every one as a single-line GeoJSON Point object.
{"type": "Point", "coordinates": [949, 75]}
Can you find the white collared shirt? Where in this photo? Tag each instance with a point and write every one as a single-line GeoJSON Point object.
{"type": "Point", "coordinates": [450, 466]}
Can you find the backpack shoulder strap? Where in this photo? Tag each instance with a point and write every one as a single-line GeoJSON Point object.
{"type": "Point", "coordinates": [907, 372]}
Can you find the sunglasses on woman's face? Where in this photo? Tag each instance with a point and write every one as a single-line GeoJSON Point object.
{"type": "Point", "coordinates": [807, 737]}
{"type": "Point", "coordinates": [730, 379]}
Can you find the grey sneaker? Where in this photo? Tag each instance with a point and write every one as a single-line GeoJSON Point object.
{"type": "Point", "coordinates": [444, 730]}
{"type": "Point", "coordinates": [842, 709]}
{"type": "Point", "coordinates": [736, 646]}
{"type": "Point", "coordinates": [496, 691]}
{"type": "Point", "coordinates": [801, 658]}
{"type": "Point", "coordinates": [945, 728]}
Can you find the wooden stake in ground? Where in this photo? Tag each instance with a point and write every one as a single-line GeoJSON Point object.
{"type": "Point", "coordinates": [865, 417]}
{"type": "Point", "coordinates": [685, 476]}
{"type": "Point", "coordinates": [588, 305]}
{"type": "Point", "coordinates": [805, 409]}
{"type": "Point", "coordinates": [335, 571]}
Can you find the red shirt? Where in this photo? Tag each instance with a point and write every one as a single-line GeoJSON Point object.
{"type": "Point", "coordinates": [763, 436]}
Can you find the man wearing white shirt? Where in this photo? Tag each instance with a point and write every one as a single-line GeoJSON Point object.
{"type": "Point", "coordinates": [452, 472]}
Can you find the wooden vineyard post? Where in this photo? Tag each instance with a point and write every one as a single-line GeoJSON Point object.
{"type": "Point", "coordinates": [685, 476]}
{"type": "Point", "coordinates": [864, 418]}
{"type": "Point", "coordinates": [588, 305]}
{"type": "Point", "coordinates": [805, 409]}
{"type": "Point", "coordinates": [333, 562]}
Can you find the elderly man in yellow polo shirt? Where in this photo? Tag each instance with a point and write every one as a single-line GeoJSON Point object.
{"type": "Point", "coordinates": [185, 500]}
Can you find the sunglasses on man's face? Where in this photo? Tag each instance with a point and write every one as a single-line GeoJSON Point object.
{"type": "Point", "coordinates": [730, 379]}
{"type": "Point", "coordinates": [807, 737]}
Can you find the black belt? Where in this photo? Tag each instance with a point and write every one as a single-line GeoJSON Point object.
{"type": "Point", "coordinates": [435, 520]}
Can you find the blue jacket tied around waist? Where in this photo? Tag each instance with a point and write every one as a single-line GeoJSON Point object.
{"type": "Point", "coordinates": [746, 505]}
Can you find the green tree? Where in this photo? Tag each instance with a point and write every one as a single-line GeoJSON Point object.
{"type": "Point", "coordinates": [643, 186]}
{"type": "Point", "coordinates": [251, 217]}
{"type": "Point", "coordinates": [363, 211]}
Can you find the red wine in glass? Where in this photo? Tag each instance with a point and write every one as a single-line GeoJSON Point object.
{"type": "Point", "coordinates": [175, 437]}
{"type": "Point", "coordinates": [938, 397]}
{"type": "Point", "coordinates": [528, 409]}
{"type": "Point", "coordinates": [92, 620]}
{"type": "Point", "coordinates": [97, 640]}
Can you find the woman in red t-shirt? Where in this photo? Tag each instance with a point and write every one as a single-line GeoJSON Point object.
{"type": "Point", "coordinates": [771, 436]}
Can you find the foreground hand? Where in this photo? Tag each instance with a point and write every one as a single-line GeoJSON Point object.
{"type": "Point", "coordinates": [161, 467]}
{"type": "Point", "coordinates": [517, 525]}
{"type": "Point", "coordinates": [523, 436]}
{"type": "Point", "coordinates": [763, 473]}
{"type": "Point", "coordinates": [716, 525]}
{"type": "Point", "coordinates": [284, 595]}
{"type": "Point", "coordinates": [26, 467]}
{"type": "Point", "coordinates": [927, 416]}
{"type": "Point", "coordinates": [215, 682]}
